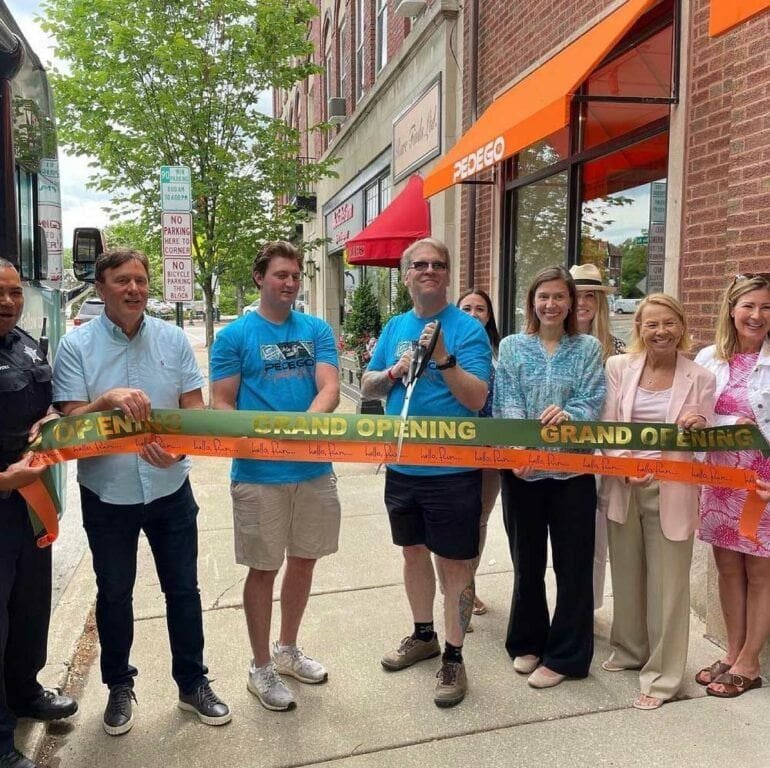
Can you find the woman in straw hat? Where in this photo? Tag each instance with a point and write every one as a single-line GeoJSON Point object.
{"type": "Point", "coordinates": [593, 318]}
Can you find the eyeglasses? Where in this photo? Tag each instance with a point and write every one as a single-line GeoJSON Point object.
{"type": "Point", "coordinates": [422, 266]}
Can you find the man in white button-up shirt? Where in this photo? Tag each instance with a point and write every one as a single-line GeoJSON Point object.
{"type": "Point", "coordinates": [126, 360]}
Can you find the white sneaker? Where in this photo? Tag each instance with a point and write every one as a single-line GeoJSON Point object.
{"type": "Point", "coordinates": [267, 686]}
{"type": "Point", "coordinates": [290, 660]}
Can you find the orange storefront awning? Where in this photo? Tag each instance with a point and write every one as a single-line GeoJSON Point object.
{"type": "Point", "coordinates": [725, 14]}
{"type": "Point", "coordinates": [536, 106]}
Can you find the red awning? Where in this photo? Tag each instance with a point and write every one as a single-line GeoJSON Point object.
{"type": "Point", "coordinates": [404, 221]}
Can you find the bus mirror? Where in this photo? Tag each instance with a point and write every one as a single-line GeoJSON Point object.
{"type": "Point", "coordinates": [87, 245]}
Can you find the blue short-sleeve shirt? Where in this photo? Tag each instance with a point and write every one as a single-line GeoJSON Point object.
{"type": "Point", "coordinates": [464, 337]}
{"type": "Point", "coordinates": [277, 367]}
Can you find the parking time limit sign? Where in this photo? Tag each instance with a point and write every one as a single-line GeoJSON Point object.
{"type": "Point", "coordinates": [175, 188]}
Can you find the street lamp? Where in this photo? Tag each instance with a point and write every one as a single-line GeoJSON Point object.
{"type": "Point", "coordinates": [310, 268]}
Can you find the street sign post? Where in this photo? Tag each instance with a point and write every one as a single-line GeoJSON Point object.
{"type": "Point", "coordinates": [178, 283]}
{"type": "Point", "coordinates": [176, 222]}
{"type": "Point", "coordinates": [177, 233]}
{"type": "Point", "coordinates": [175, 188]}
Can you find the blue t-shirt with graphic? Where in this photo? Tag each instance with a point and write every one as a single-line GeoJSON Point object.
{"type": "Point", "coordinates": [277, 366]}
{"type": "Point", "coordinates": [464, 337]}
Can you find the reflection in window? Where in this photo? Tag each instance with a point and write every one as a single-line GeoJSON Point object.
{"type": "Point", "coordinates": [27, 218]}
{"type": "Point", "coordinates": [644, 71]}
{"type": "Point", "coordinates": [541, 234]}
{"type": "Point", "coordinates": [624, 216]}
{"type": "Point", "coordinates": [543, 153]}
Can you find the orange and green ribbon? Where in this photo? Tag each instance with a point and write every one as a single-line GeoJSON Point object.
{"type": "Point", "coordinates": [432, 441]}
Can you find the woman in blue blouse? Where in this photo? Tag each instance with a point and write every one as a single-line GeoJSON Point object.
{"type": "Point", "coordinates": [553, 374]}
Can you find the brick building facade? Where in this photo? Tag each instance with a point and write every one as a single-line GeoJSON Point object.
{"type": "Point", "coordinates": [378, 63]}
{"type": "Point", "coordinates": [664, 148]}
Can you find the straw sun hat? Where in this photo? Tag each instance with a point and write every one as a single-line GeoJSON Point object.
{"type": "Point", "coordinates": [588, 278]}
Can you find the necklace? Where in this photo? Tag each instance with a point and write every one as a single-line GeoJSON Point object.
{"type": "Point", "coordinates": [654, 379]}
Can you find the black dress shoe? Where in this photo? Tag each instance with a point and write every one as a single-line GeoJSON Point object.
{"type": "Point", "coordinates": [14, 759]}
{"type": "Point", "coordinates": [49, 705]}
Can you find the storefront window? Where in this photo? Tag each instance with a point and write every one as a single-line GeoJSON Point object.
{"type": "Point", "coordinates": [596, 190]}
{"type": "Point", "coordinates": [376, 199]}
{"type": "Point", "coordinates": [623, 216]}
{"type": "Point", "coordinates": [542, 154]}
{"type": "Point", "coordinates": [541, 233]}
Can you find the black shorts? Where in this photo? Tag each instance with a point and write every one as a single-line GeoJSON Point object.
{"type": "Point", "coordinates": [440, 511]}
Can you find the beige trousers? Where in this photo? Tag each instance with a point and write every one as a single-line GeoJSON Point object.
{"type": "Point", "coordinates": [651, 589]}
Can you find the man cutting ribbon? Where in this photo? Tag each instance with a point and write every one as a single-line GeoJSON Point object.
{"type": "Point", "coordinates": [419, 362]}
{"type": "Point", "coordinates": [433, 509]}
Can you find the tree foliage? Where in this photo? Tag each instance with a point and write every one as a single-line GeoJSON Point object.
{"type": "Point", "coordinates": [362, 323]}
{"type": "Point", "coordinates": [153, 83]}
{"type": "Point", "coordinates": [634, 265]}
{"type": "Point", "coordinates": [133, 234]}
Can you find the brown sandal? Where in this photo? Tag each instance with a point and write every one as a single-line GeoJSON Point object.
{"type": "Point", "coordinates": [734, 685]}
{"type": "Point", "coordinates": [479, 609]}
{"type": "Point", "coordinates": [714, 671]}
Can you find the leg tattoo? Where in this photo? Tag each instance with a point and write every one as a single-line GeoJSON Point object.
{"type": "Point", "coordinates": [466, 606]}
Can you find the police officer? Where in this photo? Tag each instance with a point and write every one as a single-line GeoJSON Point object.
{"type": "Point", "coordinates": [25, 569]}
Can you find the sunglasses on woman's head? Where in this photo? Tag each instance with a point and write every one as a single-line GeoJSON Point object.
{"type": "Point", "coordinates": [752, 276]}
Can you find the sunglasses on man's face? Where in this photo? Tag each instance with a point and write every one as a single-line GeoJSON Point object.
{"type": "Point", "coordinates": [422, 266]}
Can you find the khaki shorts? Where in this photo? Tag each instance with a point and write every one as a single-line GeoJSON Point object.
{"type": "Point", "coordinates": [295, 519]}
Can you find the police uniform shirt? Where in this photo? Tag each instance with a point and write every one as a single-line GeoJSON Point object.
{"type": "Point", "coordinates": [25, 392]}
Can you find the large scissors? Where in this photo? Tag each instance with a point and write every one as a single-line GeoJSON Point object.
{"type": "Point", "coordinates": [421, 356]}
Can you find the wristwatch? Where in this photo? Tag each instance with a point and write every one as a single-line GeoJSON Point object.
{"type": "Point", "coordinates": [450, 362]}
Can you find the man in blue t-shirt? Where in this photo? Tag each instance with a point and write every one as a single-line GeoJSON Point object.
{"type": "Point", "coordinates": [433, 509]}
{"type": "Point", "coordinates": [276, 359]}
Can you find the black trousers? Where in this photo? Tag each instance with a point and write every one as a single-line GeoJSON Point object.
{"type": "Point", "coordinates": [170, 524]}
{"type": "Point", "coordinates": [25, 610]}
{"type": "Point", "coordinates": [565, 510]}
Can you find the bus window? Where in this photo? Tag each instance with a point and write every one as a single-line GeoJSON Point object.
{"type": "Point", "coordinates": [25, 187]}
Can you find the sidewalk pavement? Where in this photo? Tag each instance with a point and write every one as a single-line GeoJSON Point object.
{"type": "Point", "coordinates": [365, 717]}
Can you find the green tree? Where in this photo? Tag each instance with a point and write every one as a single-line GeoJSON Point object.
{"type": "Point", "coordinates": [362, 323]}
{"type": "Point", "coordinates": [152, 83]}
{"type": "Point", "coordinates": [403, 301]}
{"type": "Point", "coordinates": [634, 266]}
{"type": "Point", "coordinates": [135, 235]}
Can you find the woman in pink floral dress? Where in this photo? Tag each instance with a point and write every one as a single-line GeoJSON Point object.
{"type": "Point", "coordinates": [740, 359]}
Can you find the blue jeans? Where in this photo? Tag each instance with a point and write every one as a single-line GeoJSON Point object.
{"type": "Point", "coordinates": [172, 532]}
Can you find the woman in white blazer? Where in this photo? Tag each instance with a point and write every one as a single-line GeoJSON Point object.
{"type": "Point", "coordinates": [651, 524]}
{"type": "Point", "coordinates": [740, 359]}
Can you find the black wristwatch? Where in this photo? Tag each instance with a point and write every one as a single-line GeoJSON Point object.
{"type": "Point", "coordinates": [450, 362]}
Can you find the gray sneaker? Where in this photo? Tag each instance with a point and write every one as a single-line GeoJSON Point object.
{"type": "Point", "coordinates": [452, 684]}
{"type": "Point", "coordinates": [289, 660]}
{"type": "Point", "coordinates": [410, 651]}
{"type": "Point", "coordinates": [267, 686]}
